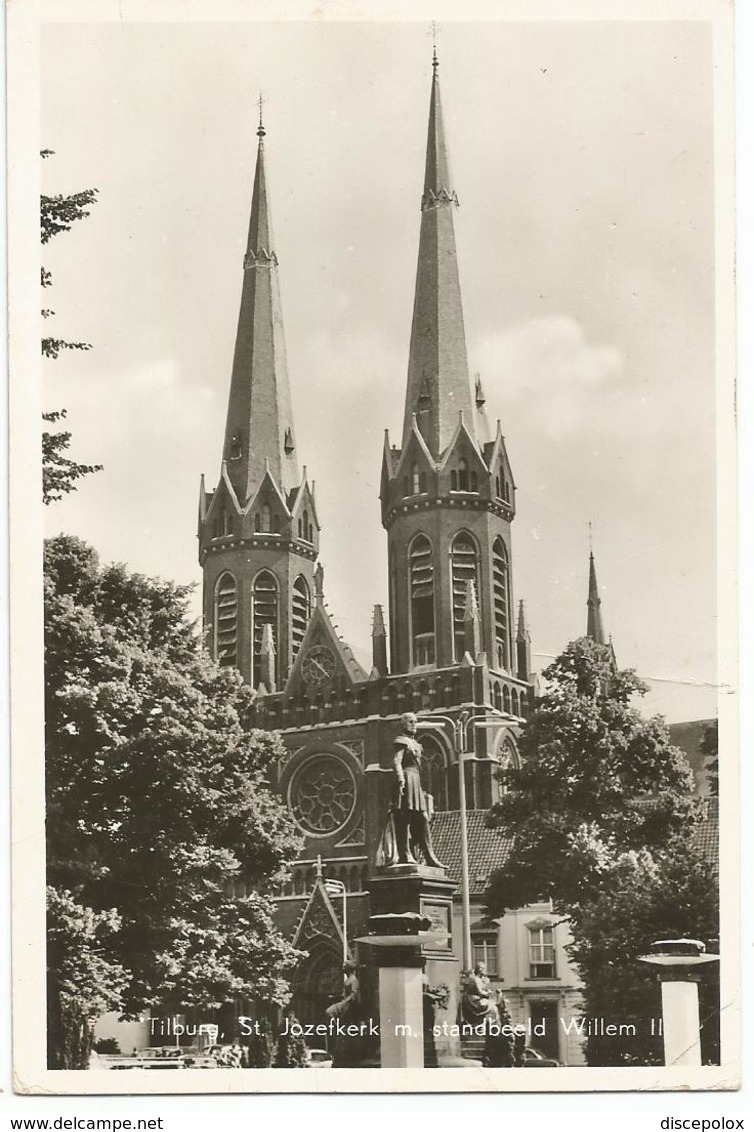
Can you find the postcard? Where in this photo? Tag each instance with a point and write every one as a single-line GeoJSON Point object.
{"type": "Point", "coordinates": [374, 679]}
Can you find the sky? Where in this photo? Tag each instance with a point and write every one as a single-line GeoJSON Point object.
{"type": "Point", "coordinates": [582, 155]}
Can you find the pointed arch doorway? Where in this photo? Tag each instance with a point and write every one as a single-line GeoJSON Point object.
{"type": "Point", "coordinates": [319, 983]}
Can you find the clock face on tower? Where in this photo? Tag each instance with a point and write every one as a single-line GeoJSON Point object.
{"type": "Point", "coordinates": [318, 666]}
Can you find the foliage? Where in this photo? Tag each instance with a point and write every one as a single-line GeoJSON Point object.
{"type": "Point", "coordinates": [261, 1047]}
{"type": "Point", "coordinates": [603, 824]}
{"type": "Point", "coordinates": [59, 472]}
{"type": "Point", "coordinates": [81, 982]}
{"type": "Point", "coordinates": [708, 747]}
{"type": "Point", "coordinates": [107, 1045]}
{"type": "Point", "coordinates": [669, 893]}
{"type": "Point", "coordinates": [157, 796]}
{"type": "Point", "coordinates": [594, 777]}
{"type": "Point", "coordinates": [291, 1047]}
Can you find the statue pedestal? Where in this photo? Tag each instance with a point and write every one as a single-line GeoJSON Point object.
{"type": "Point", "coordinates": [414, 894]}
{"type": "Point", "coordinates": [401, 1008]}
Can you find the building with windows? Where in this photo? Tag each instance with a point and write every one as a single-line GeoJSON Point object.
{"type": "Point", "coordinates": [450, 642]}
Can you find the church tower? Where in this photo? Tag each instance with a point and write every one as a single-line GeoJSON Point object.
{"type": "Point", "coordinates": [258, 530]}
{"type": "Point", "coordinates": [594, 628]}
{"type": "Point", "coordinates": [447, 492]}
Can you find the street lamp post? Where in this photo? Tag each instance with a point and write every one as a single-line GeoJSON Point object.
{"type": "Point", "coordinates": [460, 732]}
{"type": "Point", "coordinates": [337, 888]}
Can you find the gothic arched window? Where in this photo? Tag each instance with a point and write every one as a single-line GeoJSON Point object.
{"type": "Point", "coordinates": [226, 620]}
{"type": "Point", "coordinates": [301, 607]}
{"type": "Point", "coordinates": [422, 591]}
{"type": "Point", "coordinates": [473, 481]}
{"type": "Point", "coordinates": [501, 598]}
{"type": "Point", "coordinates": [415, 479]}
{"type": "Point", "coordinates": [463, 475]}
{"type": "Point", "coordinates": [266, 518]}
{"type": "Point", "coordinates": [453, 480]}
{"type": "Point", "coordinates": [435, 774]}
{"type": "Point", "coordinates": [276, 524]}
{"type": "Point", "coordinates": [264, 611]}
{"type": "Point", "coordinates": [464, 568]}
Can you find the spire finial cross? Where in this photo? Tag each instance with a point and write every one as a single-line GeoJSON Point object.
{"type": "Point", "coordinates": [435, 33]}
{"type": "Point", "coordinates": [260, 102]}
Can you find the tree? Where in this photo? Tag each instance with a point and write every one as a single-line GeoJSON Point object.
{"type": "Point", "coordinates": [708, 747]}
{"type": "Point", "coordinates": [669, 893]}
{"type": "Point", "coordinates": [158, 804]}
{"type": "Point", "coordinates": [81, 983]}
{"type": "Point", "coordinates": [59, 472]}
{"type": "Point", "coordinates": [594, 777]}
{"type": "Point", "coordinates": [261, 1046]}
{"type": "Point", "coordinates": [291, 1047]}
{"type": "Point", "coordinates": [602, 818]}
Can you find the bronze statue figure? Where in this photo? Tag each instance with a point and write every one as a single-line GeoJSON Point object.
{"type": "Point", "coordinates": [479, 1000]}
{"type": "Point", "coordinates": [407, 839]}
{"type": "Point", "coordinates": [348, 1004]}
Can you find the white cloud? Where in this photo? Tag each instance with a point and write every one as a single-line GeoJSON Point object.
{"type": "Point", "coordinates": [550, 363]}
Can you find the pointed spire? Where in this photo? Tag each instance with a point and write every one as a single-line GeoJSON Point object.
{"type": "Point", "coordinates": [437, 180]}
{"type": "Point", "coordinates": [523, 646]}
{"type": "Point", "coordinates": [472, 624]}
{"type": "Point", "coordinates": [379, 642]}
{"type": "Point", "coordinates": [522, 633]}
{"type": "Point", "coordinates": [259, 431]}
{"type": "Point", "coordinates": [438, 372]}
{"type": "Point", "coordinates": [594, 627]}
{"type": "Point", "coordinates": [267, 658]}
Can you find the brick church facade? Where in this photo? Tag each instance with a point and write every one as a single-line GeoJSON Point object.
{"type": "Point", "coordinates": [451, 643]}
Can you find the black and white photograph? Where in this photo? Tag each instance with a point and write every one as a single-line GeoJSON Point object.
{"type": "Point", "coordinates": [374, 690]}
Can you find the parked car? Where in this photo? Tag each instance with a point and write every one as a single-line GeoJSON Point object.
{"type": "Point", "coordinates": [535, 1059]}
{"type": "Point", "coordinates": [199, 1061]}
{"type": "Point", "coordinates": [319, 1059]}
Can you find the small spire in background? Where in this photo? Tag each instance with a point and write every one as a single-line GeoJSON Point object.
{"type": "Point", "coordinates": [594, 626]}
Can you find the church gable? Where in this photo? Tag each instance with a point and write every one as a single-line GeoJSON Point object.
{"type": "Point", "coordinates": [323, 661]}
{"type": "Point", "coordinates": [220, 508]}
{"type": "Point", "coordinates": [501, 471]}
{"type": "Point", "coordinates": [416, 468]}
{"type": "Point", "coordinates": [304, 512]}
{"type": "Point", "coordinates": [318, 921]}
{"type": "Point", "coordinates": [463, 468]}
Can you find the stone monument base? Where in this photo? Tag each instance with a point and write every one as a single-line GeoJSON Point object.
{"type": "Point", "coordinates": [395, 890]}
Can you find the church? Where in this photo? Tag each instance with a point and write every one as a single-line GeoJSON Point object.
{"type": "Point", "coordinates": [453, 646]}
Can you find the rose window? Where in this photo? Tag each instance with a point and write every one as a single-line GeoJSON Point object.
{"type": "Point", "coordinates": [323, 795]}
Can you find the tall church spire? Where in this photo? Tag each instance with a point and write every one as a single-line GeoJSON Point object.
{"type": "Point", "coordinates": [259, 433]}
{"type": "Point", "coordinates": [438, 373]}
{"type": "Point", "coordinates": [594, 627]}
{"type": "Point", "coordinates": [258, 530]}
